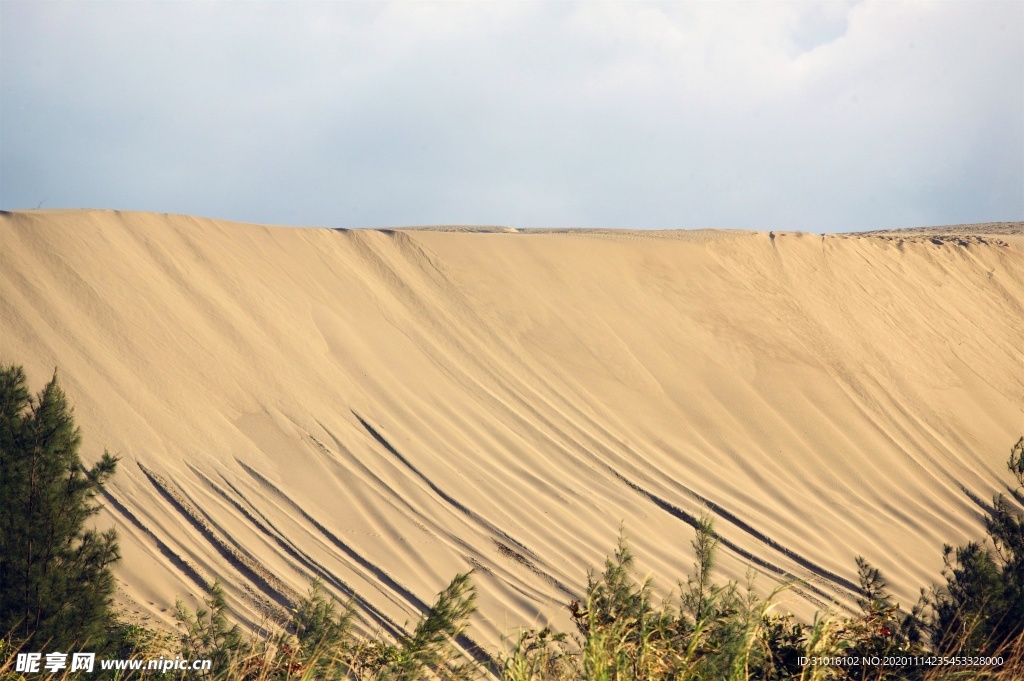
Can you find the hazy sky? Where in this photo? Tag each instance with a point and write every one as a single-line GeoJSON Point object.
{"type": "Point", "coordinates": [818, 116]}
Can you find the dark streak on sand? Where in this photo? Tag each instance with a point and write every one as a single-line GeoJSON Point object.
{"type": "Point", "coordinates": [475, 649]}
{"type": "Point", "coordinates": [421, 520]}
{"type": "Point", "coordinates": [256, 573]}
{"type": "Point", "coordinates": [487, 525]}
{"type": "Point", "coordinates": [978, 501]}
{"type": "Point", "coordinates": [307, 561]}
{"type": "Point", "coordinates": [692, 521]}
{"type": "Point", "coordinates": [438, 491]}
{"type": "Point", "coordinates": [176, 560]}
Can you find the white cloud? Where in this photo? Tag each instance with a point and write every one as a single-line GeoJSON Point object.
{"type": "Point", "coordinates": [804, 115]}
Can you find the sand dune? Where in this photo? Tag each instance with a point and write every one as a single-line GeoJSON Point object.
{"type": "Point", "coordinates": [387, 408]}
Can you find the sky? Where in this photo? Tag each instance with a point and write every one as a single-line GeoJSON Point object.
{"type": "Point", "coordinates": [814, 116]}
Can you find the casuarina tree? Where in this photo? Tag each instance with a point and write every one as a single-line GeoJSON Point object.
{"type": "Point", "coordinates": [56, 584]}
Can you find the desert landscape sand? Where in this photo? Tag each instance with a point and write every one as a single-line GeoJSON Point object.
{"type": "Point", "coordinates": [387, 408]}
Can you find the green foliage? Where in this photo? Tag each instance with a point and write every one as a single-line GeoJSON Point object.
{"type": "Point", "coordinates": [619, 625]}
{"type": "Point", "coordinates": [723, 632]}
{"type": "Point", "coordinates": [430, 647]}
{"type": "Point", "coordinates": [206, 634]}
{"type": "Point", "coordinates": [782, 641]}
{"type": "Point", "coordinates": [700, 595]}
{"type": "Point", "coordinates": [981, 607]}
{"type": "Point", "coordinates": [56, 583]}
{"type": "Point", "coordinates": [135, 640]}
{"type": "Point", "coordinates": [714, 633]}
{"type": "Point", "coordinates": [324, 643]}
{"type": "Point", "coordinates": [1016, 461]}
{"type": "Point", "coordinates": [615, 596]}
{"type": "Point", "coordinates": [318, 642]}
{"type": "Point", "coordinates": [539, 654]}
{"type": "Point", "coordinates": [318, 623]}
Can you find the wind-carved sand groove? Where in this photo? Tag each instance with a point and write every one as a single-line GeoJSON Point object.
{"type": "Point", "coordinates": [516, 554]}
{"type": "Point", "coordinates": [187, 569]}
{"type": "Point", "coordinates": [312, 567]}
{"type": "Point", "coordinates": [464, 640]}
{"type": "Point", "coordinates": [261, 523]}
{"type": "Point", "coordinates": [476, 345]}
{"type": "Point", "coordinates": [471, 553]}
{"type": "Point", "coordinates": [270, 585]}
{"type": "Point", "coordinates": [823, 600]}
{"type": "Point", "coordinates": [822, 396]}
{"type": "Point", "coordinates": [386, 492]}
{"type": "Point", "coordinates": [353, 555]}
{"type": "Point", "coordinates": [719, 512]}
{"type": "Point", "coordinates": [437, 490]}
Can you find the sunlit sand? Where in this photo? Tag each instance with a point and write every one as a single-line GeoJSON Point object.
{"type": "Point", "coordinates": [388, 408]}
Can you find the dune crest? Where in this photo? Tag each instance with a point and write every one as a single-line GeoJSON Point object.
{"type": "Point", "coordinates": [387, 408]}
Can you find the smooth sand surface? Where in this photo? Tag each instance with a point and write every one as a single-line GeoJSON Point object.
{"type": "Point", "coordinates": [385, 409]}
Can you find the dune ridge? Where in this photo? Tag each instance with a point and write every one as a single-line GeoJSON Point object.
{"type": "Point", "coordinates": [385, 408]}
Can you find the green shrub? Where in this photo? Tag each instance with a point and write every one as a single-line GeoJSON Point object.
{"type": "Point", "coordinates": [206, 634]}
{"type": "Point", "coordinates": [980, 609]}
{"type": "Point", "coordinates": [430, 648]}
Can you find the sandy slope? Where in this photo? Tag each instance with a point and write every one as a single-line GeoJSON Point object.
{"type": "Point", "coordinates": [385, 409]}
